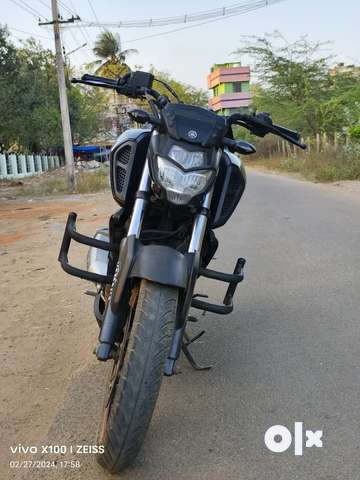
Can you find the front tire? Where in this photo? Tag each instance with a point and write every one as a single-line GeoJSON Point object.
{"type": "Point", "coordinates": [136, 390]}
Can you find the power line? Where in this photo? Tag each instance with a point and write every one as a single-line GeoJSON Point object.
{"type": "Point", "coordinates": [29, 33]}
{"type": "Point", "coordinates": [85, 37]}
{"type": "Point", "coordinates": [75, 16]}
{"type": "Point", "coordinates": [44, 4]}
{"type": "Point", "coordinates": [95, 16]}
{"type": "Point", "coordinates": [160, 34]}
{"type": "Point", "coordinates": [77, 43]}
{"type": "Point", "coordinates": [235, 8]}
{"type": "Point", "coordinates": [65, 7]}
{"type": "Point", "coordinates": [28, 8]}
{"type": "Point", "coordinates": [72, 6]}
{"type": "Point", "coordinates": [73, 37]}
{"type": "Point", "coordinates": [62, 4]}
{"type": "Point", "coordinates": [83, 32]}
{"type": "Point", "coordinates": [25, 9]}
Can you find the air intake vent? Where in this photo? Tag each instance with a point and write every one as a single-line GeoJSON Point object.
{"type": "Point", "coordinates": [126, 165]}
{"type": "Point", "coordinates": [124, 154]}
{"type": "Point", "coordinates": [120, 178]}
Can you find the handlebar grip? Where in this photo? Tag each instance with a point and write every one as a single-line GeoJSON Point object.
{"type": "Point", "coordinates": [286, 131]}
{"type": "Point", "coordinates": [289, 135]}
{"type": "Point", "coordinates": [95, 78]}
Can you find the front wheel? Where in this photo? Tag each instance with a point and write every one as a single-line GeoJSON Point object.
{"type": "Point", "coordinates": [136, 375]}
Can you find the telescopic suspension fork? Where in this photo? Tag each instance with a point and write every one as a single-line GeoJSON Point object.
{"type": "Point", "coordinates": [180, 340]}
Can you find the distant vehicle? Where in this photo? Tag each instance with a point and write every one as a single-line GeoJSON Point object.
{"type": "Point", "coordinates": [177, 179]}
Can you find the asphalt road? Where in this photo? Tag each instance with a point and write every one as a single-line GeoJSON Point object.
{"type": "Point", "coordinates": [288, 353]}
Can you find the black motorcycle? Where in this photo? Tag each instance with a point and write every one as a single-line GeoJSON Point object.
{"type": "Point", "coordinates": [176, 180]}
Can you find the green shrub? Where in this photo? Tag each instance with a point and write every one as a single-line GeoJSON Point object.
{"type": "Point", "coordinates": [354, 133]}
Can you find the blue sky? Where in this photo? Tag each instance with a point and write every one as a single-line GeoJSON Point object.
{"type": "Point", "coordinates": [189, 54]}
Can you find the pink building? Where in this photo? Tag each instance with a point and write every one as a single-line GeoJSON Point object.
{"type": "Point", "coordinates": [230, 83]}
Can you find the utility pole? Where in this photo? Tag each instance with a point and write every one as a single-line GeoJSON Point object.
{"type": "Point", "coordinates": [64, 107]}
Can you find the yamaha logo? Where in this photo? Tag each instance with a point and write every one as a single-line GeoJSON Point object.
{"type": "Point", "coordinates": [192, 134]}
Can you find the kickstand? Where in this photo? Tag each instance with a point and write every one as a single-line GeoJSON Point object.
{"type": "Point", "coordinates": [188, 355]}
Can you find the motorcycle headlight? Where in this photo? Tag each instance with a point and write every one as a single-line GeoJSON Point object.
{"type": "Point", "coordinates": [182, 186]}
{"type": "Point", "coordinates": [186, 158]}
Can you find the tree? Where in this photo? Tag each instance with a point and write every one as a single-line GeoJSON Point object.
{"type": "Point", "coordinates": [37, 99]}
{"type": "Point", "coordinates": [187, 93]}
{"type": "Point", "coordinates": [295, 84]}
{"type": "Point", "coordinates": [29, 100]}
{"type": "Point", "coordinates": [8, 73]}
{"type": "Point", "coordinates": [87, 109]}
{"type": "Point", "coordinates": [112, 59]}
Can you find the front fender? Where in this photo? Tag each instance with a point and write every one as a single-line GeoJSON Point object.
{"type": "Point", "coordinates": [160, 264]}
{"type": "Point", "coordinates": [157, 263]}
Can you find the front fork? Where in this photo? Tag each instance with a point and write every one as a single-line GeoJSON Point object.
{"type": "Point", "coordinates": [195, 245]}
{"type": "Point", "coordinates": [196, 241]}
{"type": "Point", "coordinates": [199, 227]}
{"type": "Point", "coordinates": [140, 203]}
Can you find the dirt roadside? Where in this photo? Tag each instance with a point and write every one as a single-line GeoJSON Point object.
{"type": "Point", "coordinates": [41, 323]}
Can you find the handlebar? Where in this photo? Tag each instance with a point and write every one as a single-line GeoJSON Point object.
{"type": "Point", "coordinates": [134, 84]}
{"type": "Point", "coordinates": [139, 85]}
{"type": "Point", "coordinates": [261, 124]}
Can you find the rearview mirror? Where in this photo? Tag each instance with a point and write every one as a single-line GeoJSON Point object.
{"type": "Point", "coordinates": [245, 148]}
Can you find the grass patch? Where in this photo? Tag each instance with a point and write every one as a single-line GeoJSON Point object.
{"type": "Point", "coordinates": [330, 165]}
{"type": "Point", "coordinates": [55, 183]}
{"type": "Point", "coordinates": [93, 181]}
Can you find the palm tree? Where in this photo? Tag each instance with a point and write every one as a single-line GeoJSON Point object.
{"type": "Point", "coordinates": [112, 59]}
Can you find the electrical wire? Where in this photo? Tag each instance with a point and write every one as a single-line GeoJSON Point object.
{"type": "Point", "coordinates": [77, 43]}
{"type": "Point", "coordinates": [29, 9]}
{"type": "Point", "coordinates": [71, 10]}
{"type": "Point", "coordinates": [44, 4]}
{"type": "Point", "coordinates": [29, 33]}
{"type": "Point", "coordinates": [95, 16]}
{"type": "Point", "coordinates": [66, 8]}
{"type": "Point", "coordinates": [224, 11]}
{"type": "Point", "coordinates": [83, 32]}
{"type": "Point", "coordinates": [179, 29]}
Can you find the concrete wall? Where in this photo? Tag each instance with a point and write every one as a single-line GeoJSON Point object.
{"type": "Point", "coordinates": [19, 166]}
